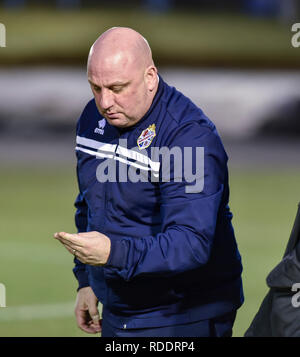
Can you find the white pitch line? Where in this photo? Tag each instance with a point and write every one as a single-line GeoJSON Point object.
{"type": "Point", "coordinates": [37, 312]}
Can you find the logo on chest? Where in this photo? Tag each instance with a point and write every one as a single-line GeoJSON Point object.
{"type": "Point", "coordinates": [101, 126]}
{"type": "Point", "coordinates": [146, 137]}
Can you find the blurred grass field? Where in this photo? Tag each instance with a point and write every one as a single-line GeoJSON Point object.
{"type": "Point", "coordinates": [47, 35]}
{"type": "Point", "coordinates": [36, 269]}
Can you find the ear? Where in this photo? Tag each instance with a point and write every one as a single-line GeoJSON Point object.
{"type": "Point", "coordinates": [151, 77]}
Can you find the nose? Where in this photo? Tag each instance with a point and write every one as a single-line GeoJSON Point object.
{"type": "Point", "coordinates": [105, 99]}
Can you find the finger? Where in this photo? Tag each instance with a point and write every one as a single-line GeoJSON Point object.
{"type": "Point", "coordinates": [75, 250]}
{"type": "Point", "coordinates": [66, 240]}
{"type": "Point", "coordinates": [96, 319]}
{"type": "Point", "coordinates": [94, 314]}
{"type": "Point", "coordinates": [71, 246]}
{"type": "Point", "coordinates": [96, 326]}
{"type": "Point", "coordinates": [70, 238]}
{"type": "Point", "coordinates": [84, 323]}
{"type": "Point", "coordinates": [91, 327]}
{"type": "Point", "coordinates": [88, 328]}
{"type": "Point", "coordinates": [70, 249]}
{"type": "Point", "coordinates": [92, 322]}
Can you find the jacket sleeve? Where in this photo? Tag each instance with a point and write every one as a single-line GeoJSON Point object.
{"type": "Point", "coordinates": [79, 269]}
{"type": "Point", "coordinates": [188, 216]}
{"type": "Point", "coordinates": [81, 213]}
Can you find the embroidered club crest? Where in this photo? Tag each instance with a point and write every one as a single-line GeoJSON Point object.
{"type": "Point", "coordinates": [145, 139]}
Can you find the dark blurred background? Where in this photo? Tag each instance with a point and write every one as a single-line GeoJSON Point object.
{"type": "Point", "coordinates": [233, 58]}
{"type": "Point", "coordinates": [252, 36]}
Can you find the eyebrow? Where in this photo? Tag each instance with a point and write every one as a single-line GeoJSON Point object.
{"type": "Point", "coordinates": [114, 84]}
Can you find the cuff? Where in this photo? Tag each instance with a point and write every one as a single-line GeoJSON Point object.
{"type": "Point", "coordinates": [81, 276]}
{"type": "Point", "coordinates": [118, 254]}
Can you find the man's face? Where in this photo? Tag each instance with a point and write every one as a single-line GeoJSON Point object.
{"type": "Point", "coordinates": [120, 89]}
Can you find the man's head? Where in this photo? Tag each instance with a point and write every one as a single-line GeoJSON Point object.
{"type": "Point", "coordinates": [122, 76]}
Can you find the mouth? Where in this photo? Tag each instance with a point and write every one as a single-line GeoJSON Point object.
{"type": "Point", "coordinates": [112, 115]}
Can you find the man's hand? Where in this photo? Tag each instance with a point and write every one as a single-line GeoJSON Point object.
{"type": "Point", "coordinates": [91, 248]}
{"type": "Point", "coordinates": [86, 311]}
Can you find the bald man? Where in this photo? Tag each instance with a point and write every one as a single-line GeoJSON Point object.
{"type": "Point", "coordinates": [155, 243]}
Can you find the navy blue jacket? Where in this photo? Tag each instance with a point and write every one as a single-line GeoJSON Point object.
{"type": "Point", "coordinates": [174, 257]}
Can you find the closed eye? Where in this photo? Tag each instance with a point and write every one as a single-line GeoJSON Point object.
{"type": "Point", "coordinates": [117, 89]}
{"type": "Point", "coordinates": [96, 88]}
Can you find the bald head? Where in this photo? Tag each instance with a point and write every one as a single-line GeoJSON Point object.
{"type": "Point", "coordinates": [122, 75]}
{"type": "Point", "coordinates": [121, 45]}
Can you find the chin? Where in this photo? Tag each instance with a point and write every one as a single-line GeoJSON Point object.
{"type": "Point", "coordinates": [119, 123]}
{"type": "Point", "coordinates": [122, 122]}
